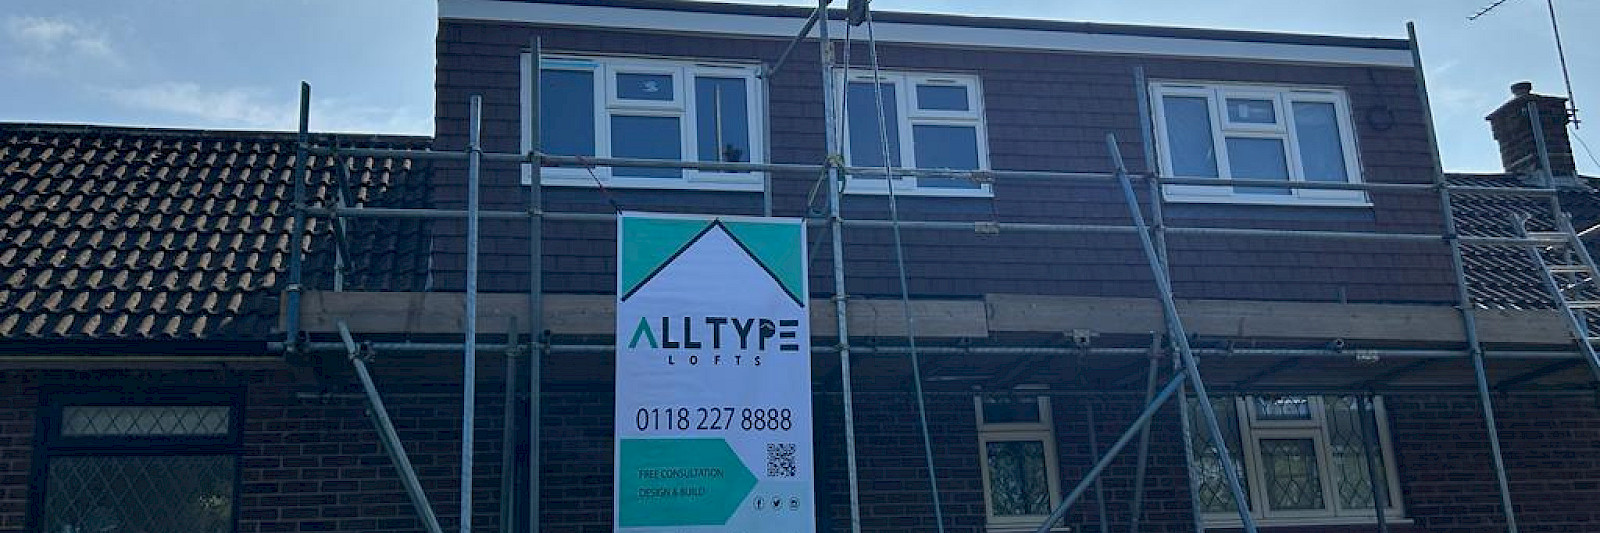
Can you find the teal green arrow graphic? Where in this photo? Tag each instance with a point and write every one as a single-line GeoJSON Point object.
{"type": "Point", "coordinates": [680, 482]}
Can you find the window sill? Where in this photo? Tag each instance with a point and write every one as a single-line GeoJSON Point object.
{"type": "Point", "coordinates": [1305, 522]}
{"type": "Point", "coordinates": [854, 187]}
{"type": "Point", "coordinates": [1268, 200]}
{"type": "Point", "coordinates": [671, 184]}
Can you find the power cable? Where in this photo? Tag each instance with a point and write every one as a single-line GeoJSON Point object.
{"type": "Point", "coordinates": [900, 263]}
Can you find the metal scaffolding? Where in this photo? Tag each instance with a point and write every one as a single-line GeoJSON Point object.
{"type": "Point", "coordinates": [1153, 234]}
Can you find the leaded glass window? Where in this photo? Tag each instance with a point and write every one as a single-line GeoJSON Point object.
{"type": "Point", "coordinates": [1302, 457]}
{"type": "Point", "coordinates": [1017, 444]}
{"type": "Point", "coordinates": [115, 462]}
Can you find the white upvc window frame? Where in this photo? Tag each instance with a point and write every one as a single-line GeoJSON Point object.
{"type": "Point", "coordinates": [909, 114]}
{"type": "Point", "coordinates": [683, 106]}
{"type": "Point", "coordinates": [1043, 431]}
{"type": "Point", "coordinates": [1252, 430]}
{"type": "Point", "coordinates": [1222, 127]}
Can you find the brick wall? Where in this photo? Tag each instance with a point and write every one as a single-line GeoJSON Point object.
{"type": "Point", "coordinates": [1552, 446]}
{"type": "Point", "coordinates": [1045, 111]}
{"type": "Point", "coordinates": [18, 396]}
{"type": "Point", "coordinates": [313, 463]}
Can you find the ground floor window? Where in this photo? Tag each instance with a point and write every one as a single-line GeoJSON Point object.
{"type": "Point", "coordinates": [1304, 458]}
{"type": "Point", "coordinates": [112, 461]}
{"type": "Point", "coordinates": [1017, 448]}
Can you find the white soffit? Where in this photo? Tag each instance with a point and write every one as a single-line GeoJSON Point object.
{"type": "Point", "coordinates": [626, 18]}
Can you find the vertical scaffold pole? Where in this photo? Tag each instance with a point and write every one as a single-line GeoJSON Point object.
{"type": "Point", "coordinates": [298, 236]}
{"type": "Point", "coordinates": [1188, 452]}
{"type": "Point", "coordinates": [1158, 230]}
{"type": "Point", "coordinates": [536, 340]}
{"type": "Point", "coordinates": [1367, 409]}
{"type": "Point", "coordinates": [469, 360]}
{"type": "Point", "coordinates": [1463, 297]}
{"type": "Point", "coordinates": [836, 230]}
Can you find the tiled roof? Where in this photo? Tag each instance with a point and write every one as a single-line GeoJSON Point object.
{"type": "Point", "coordinates": [1503, 277]}
{"type": "Point", "coordinates": [130, 233]}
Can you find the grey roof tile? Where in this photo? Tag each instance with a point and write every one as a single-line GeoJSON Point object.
{"type": "Point", "coordinates": [133, 233]}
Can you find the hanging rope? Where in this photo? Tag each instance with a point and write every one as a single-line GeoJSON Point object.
{"type": "Point", "coordinates": [900, 263]}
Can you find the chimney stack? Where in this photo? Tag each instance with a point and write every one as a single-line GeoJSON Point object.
{"type": "Point", "coordinates": [1513, 128]}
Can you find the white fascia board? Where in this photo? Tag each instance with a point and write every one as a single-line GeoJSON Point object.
{"type": "Point", "coordinates": [957, 36]}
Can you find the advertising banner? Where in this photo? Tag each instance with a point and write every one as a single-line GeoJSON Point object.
{"type": "Point", "coordinates": [713, 420]}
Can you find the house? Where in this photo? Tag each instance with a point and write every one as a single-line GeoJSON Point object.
{"type": "Point", "coordinates": [168, 368]}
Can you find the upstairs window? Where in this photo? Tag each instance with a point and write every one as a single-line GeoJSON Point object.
{"type": "Point", "coordinates": [647, 109]}
{"type": "Point", "coordinates": [1304, 460]}
{"type": "Point", "coordinates": [1017, 445]}
{"type": "Point", "coordinates": [1256, 133]}
{"type": "Point", "coordinates": [930, 121]}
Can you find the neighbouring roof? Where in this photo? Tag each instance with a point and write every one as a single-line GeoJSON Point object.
{"type": "Point", "coordinates": [135, 233]}
{"type": "Point", "coordinates": [1503, 277]}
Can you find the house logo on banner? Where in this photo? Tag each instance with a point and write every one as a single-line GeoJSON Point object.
{"type": "Point", "coordinates": [713, 420]}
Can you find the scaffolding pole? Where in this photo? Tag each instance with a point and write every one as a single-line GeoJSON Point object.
{"type": "Point", "coordinates": [1463, 297]}
{"type": "Point", "coordinates": [1367, 409]}
{"type": "Point", "coordinates": [836, 232]}
{"type": "Point", "coordinates": [536, 336]}
{"type": "Point", "coordinates": [386, 434]}
{"type": "Point", "coordinates": [469, 358]}
{"type": "Point", "coordinates": [297, 238]}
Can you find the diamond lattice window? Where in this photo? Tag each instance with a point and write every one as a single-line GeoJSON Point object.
{"type": "Point", "coordinates": [1303, 458]}
{"type": "Point", "coordinates": [177, 494]}
{"type": "Point", "coordinates": [111, 466]}
{"type": "Point", "coordinates": [144, 421]}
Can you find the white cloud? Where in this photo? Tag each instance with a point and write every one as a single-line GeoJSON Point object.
{"type": "Point", "coordinates": [250, 108]}
{"type": "Point", "coordinates": [54, 45]}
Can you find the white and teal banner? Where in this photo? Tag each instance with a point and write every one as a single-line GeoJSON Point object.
{"type": "Point", "coordinates": [713, 427]}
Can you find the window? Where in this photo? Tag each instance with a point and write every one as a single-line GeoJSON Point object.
{"type": "Point", "coordinates": [1304, 459]}
{"type": "Point", "coordinates": [1017, 443]}
{"type": "Point", "coordinates": [647, 109]}
{"type": "Point", "coordinates": [929, 121]}
{"type": "Point", "coordinates": [1257, 133]}
{"type": "Point", "coordinates": [119, 462]}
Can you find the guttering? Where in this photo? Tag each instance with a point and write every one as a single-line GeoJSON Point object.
{"type": "Point", "coordinates": [946, 31]}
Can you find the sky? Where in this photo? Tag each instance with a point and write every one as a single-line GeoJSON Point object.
{"type": "Point", "coordinates": [237, 64]}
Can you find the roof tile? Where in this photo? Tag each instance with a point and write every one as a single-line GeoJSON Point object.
{"type": "Point", "coordinates": [125, 232]}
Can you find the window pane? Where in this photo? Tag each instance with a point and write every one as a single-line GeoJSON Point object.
{"type": "Point", "coordinates": [1244, 111]}
{"type": "Point", "coordinates": [1316, 125]}
{"type": "Point", "coordinates": [566, 112]}
{"type": "Point", "coordinates": [1258, 159]}
{"type": "Point", "coordinates": [648, 138]}
{"type": "Point", "coordinates": [1289, 467]}
{"type": "Point", "coordinates": [1189, 136]}
{"type": "Point", "coordinates": [1213, 481]}
{"type": "Point", "coordinates": [942, 97]}
{"type": "Point", "coordinates": [140, 493]}
{"type": "Point", "coordinates": [861, 118]}
{"type": "Point", "coordinates": [1347, 431]}
{"type": "Point", "coordinates": [144, 421]}
{"type": "Point", "coordinates": [946, 147]}
{"type": "Point", "coordinates": [722, 119]}
{"type": "Point", "coordinates": [1018, 482]}
{"type": "Point", "coordinates": [1281, 407]}
{"type": "Point", "coordinates": [1011, 410]}
{"type": "Point", "coordinates": [644, 86]}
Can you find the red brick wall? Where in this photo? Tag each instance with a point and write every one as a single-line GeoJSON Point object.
{"type": "Point", "coordinates": [18, 396]}
{"type": "Point", "coordinates": [1552, 444]}
{"type": "Point", "coordinates": [314, 464]}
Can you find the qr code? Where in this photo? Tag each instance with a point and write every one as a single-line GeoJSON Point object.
{"type": "Point", "coordinates": [780, 460]}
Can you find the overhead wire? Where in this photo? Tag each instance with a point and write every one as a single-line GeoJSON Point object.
{"type": "Point", "coordinates": [900, 264]}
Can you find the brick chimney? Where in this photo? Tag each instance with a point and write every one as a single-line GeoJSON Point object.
{"type": "Point", "coordinates": [1519, 152]}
